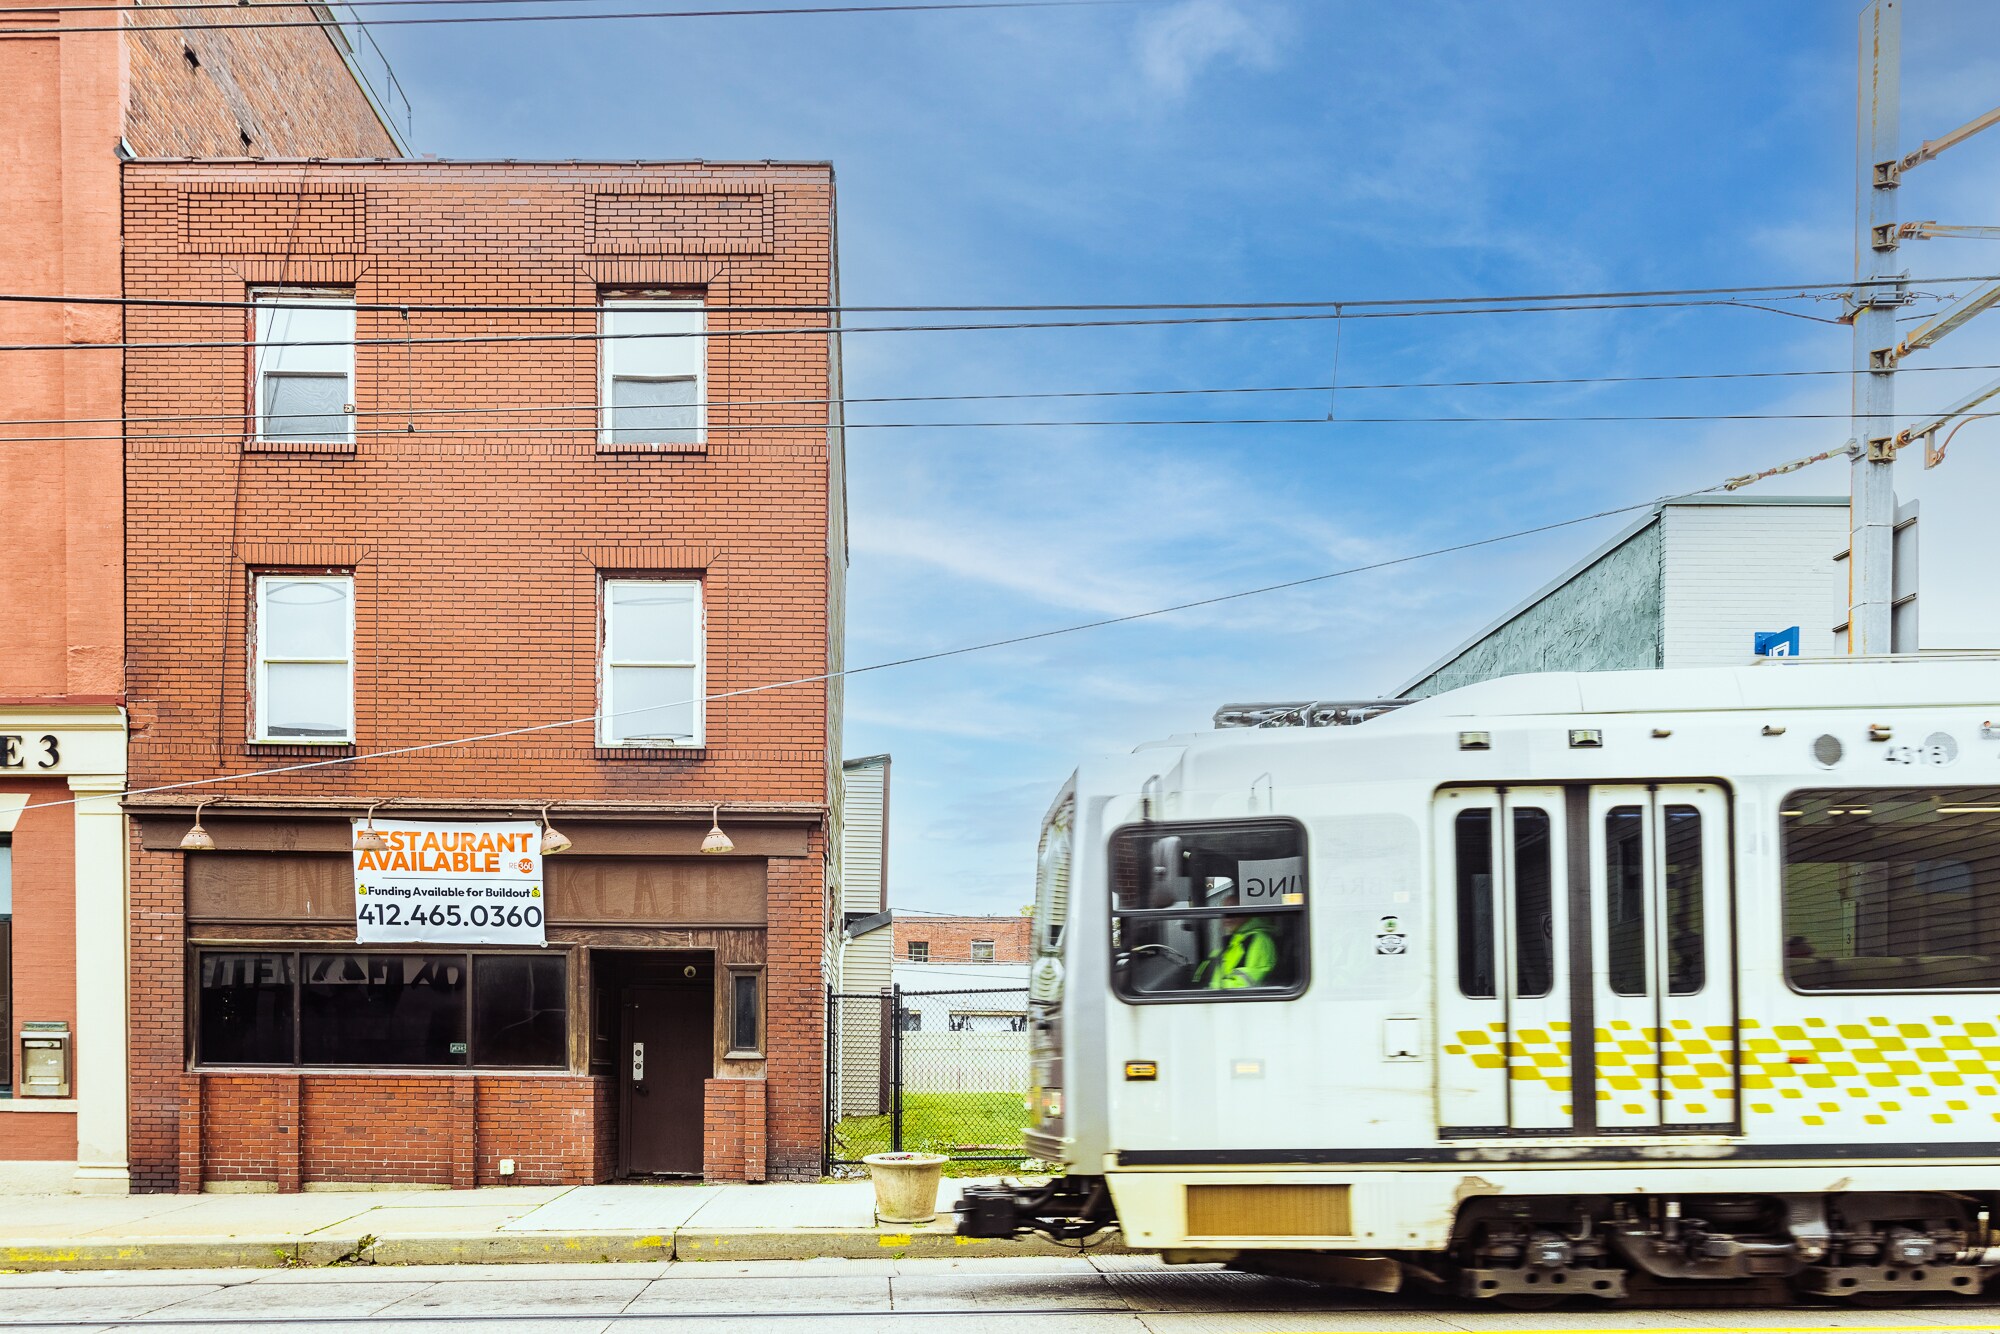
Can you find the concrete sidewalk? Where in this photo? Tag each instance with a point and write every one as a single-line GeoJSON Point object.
{"type": "Point", "coordinates": [497, 1225]}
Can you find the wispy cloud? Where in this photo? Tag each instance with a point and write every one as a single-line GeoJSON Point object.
{"type": "Point", "coordinates": [1175, 47]}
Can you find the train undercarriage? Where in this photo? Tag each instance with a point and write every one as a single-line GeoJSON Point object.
{"type": "Point", "coordinates": [1535, 1251]}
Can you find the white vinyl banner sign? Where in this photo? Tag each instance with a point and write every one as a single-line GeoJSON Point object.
{"type": "Point", "coordinates": [469, 883]}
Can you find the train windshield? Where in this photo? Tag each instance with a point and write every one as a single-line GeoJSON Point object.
{"type": "Point", "coordinates": [1052, 863]}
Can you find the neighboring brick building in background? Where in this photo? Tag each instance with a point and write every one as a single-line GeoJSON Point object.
{"type": "Point", "coordinates": [383, 542]}
{"type": "Point", "coordinates": [76, 91]}
{"type": "Point", "coordinates": [940, 939]}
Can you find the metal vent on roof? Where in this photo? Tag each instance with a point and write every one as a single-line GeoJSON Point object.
{"type": "Point", "coordinates": [1305, 713]}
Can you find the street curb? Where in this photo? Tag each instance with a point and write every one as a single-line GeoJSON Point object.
{"type": "Point", "coordinates": [686, 1244]}
{"type": "Point", "coordinates": [288, 1253]}
{"type": "Point", "coordinates": [695, 1244]}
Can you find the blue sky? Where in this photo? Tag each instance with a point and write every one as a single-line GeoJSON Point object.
{"type": "Point", "coordinates": [1216, 150]}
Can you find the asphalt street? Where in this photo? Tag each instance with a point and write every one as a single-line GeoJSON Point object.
{"type": "Point", "coordinates": [1086, 1295]}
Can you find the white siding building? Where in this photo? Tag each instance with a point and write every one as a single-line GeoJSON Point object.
{"type": "Point", "coordinates": [1689, 584]}
{"type": "Point", "coordinates": [862, 967]}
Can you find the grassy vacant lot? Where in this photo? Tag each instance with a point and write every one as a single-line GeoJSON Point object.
{"type": "Point", "coordinates": [959, 1125]}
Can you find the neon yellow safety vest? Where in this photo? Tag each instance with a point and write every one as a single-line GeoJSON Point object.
{"type": "Point", "coordinates": [1246, 959]}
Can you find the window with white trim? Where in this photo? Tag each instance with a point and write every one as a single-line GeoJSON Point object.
{"type": "Point", "coordinates": [305, 658]}
{"type": "Point", "coordinates": [982, 951]}
{"type": "Point", "coordinates": [651, 681]}
{"type": "Point", "coordinates": [304, 383]}
{"type": "Point", "coordinates": [653, 377]}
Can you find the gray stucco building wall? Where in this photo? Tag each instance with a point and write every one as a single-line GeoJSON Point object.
{"type": "Point", "coordinates": [1605, 616]}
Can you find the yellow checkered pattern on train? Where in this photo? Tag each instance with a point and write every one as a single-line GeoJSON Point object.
{"type": "Point", "coordinates": [1813, 1070]}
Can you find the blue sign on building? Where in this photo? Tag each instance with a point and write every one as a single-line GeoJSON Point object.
{"type": "Point", "coordinates": [1777, 643]}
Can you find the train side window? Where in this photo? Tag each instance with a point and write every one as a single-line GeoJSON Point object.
{"type": "Point", "coordinates": [1209, 912]}
{"type": "Point", "coordinates": [1892, 889]}
{"type": "Point", "coordinates": [1472, 836]}
{"type": "Point", "coordinates": [1625, 899]}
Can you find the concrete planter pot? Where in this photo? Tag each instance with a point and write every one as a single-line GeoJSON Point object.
{"type": "Point", "coordinates": [906, 1185]}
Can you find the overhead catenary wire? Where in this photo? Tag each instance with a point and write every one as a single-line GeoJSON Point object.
{"type": "Point", "coordinates": [910, 660]}
{"type": "Point", "coordinates": [1010, 396]}
{"type": "Point", "coordinates": [388, 435]}
{"type": "Point", "coordinates": [1333, 306]}
{"type": "Point", "coordinates": [796, 331]}
{"type": "Point", "coordinates": [774, 11]}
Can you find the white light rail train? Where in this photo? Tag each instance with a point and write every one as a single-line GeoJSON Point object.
{"type": "Point", "coordinates": [1602, 984]}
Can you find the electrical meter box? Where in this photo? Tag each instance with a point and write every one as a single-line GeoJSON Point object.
{"type": "Point", "coordinates": [45, 1060]}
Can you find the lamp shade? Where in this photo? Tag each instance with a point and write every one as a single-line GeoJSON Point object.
{"type": "Point", "coordinates": [553, 839]}
{"type": "Point", "coordinates": [368, 838]}
{"type": "Point", "coordinates": [197, 839]}
{"type": "Point", "coordinates": [716, 840]}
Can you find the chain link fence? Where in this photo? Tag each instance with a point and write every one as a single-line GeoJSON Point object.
{"type": "Point", "coordinates": [934, 1071]}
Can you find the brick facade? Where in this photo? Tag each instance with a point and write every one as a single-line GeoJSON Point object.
{"type": "Point", "coordinates": [477, 543]}
{"type": "Point", "coordinates": [949, 939]}
{"type": "Point", "coordinates": [213, 90]}
{"type": "Point", "coordinates": [288, 1130]}
{"type": "Point", "coordinates": [69, 94]}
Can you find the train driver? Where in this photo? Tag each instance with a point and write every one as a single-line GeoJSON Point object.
{"type": "Point", "coordinates": [1246, 955]}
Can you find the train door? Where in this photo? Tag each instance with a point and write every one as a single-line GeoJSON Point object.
{"type": "Point", "coordinates": [1663, 995]}
{"type": "Point", "coordinates": [1504, 993]}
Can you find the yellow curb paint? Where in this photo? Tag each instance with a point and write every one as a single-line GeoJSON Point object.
{"type": "Point", "coordinates": [893, 1239]}
{"type": "Point", "coordinates": [1704, 1329]}
{"type": "Point", "coordinates": [650, 1243]}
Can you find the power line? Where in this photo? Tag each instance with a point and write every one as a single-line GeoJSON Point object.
{"type": "Point", "coordinates": [941, 6]}
{"type": "Point", "coordinates": [1022, 395]}
{"type": "Point", "coordinates": [1801, 291]}
{"type": "Point", "coordinates": [822, 678]}
{"type": "Point", "coordinates": [388, 435]}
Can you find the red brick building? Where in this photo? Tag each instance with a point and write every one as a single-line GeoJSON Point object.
{"type": "Point", "coordinates": [77, 90]}
{"type": "Point", "coordinates": [465, 449]}
{"type": "Point", "coordinates": [940, 939]}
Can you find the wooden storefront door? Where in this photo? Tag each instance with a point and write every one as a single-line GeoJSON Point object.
{"type": "Point", "coordinates": [665, 1057]}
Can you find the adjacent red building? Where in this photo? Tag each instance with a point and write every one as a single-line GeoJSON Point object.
{"type": "Point", "coordinates": [463, 498]}
{"type": "Point", "coordinates": [82, 86]}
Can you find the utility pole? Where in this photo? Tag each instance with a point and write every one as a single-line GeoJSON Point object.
{"type": "Point", "coordinates": [1880, 291]}
{"type": "Point", "coordinates": [1872, 511]}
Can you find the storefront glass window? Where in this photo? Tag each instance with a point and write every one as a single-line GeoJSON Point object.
{"type": "Point", "coordinates": [382, 1009]}
{"type": "Point", "coordinates": [355, 1008]}
{"type": "Point", "coordinates": [246, 1009]}
{"type": "Point", "coordinates": [518, 1011]}
{"type": "Point", "coordinates": [745, 1022]}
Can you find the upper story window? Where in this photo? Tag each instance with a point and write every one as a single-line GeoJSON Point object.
{"type": "Point", "coordinates": [653, 362]}
{"type": "Point", "coordinates": [919, 951]}
{"type": "Point", "coordinates": [304, 681]}
{"type": "Point", "coordinates": [653, 675]}
{"type": "Point", "coordinates": [1209, 911]}
{"type": "Point", "coordinates": [982, 951]}
{"type": "Point", "coordinates": [304, 382]}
